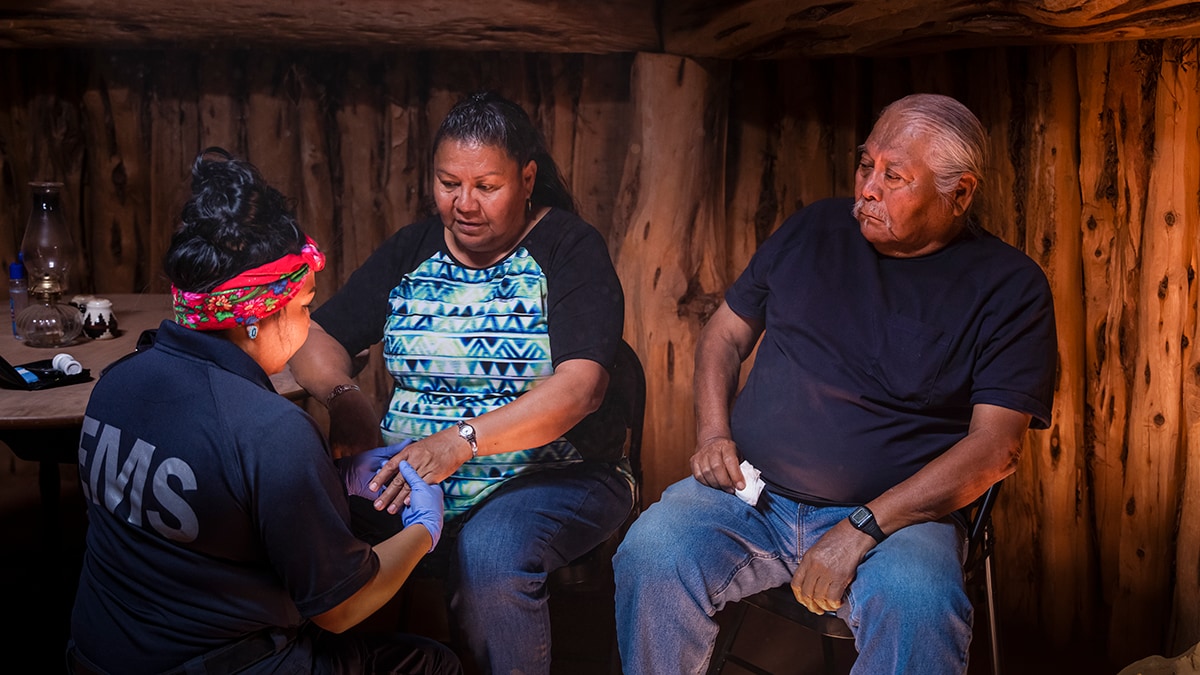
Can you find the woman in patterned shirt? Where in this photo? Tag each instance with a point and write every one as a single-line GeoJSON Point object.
{"type": "Point", "coordinates": [500, 317]}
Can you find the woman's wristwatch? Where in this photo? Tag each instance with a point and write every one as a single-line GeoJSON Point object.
{"type": "Point", "coordinates": [338, 391]}
{"type": "Point", "coordinates": [467, 432]}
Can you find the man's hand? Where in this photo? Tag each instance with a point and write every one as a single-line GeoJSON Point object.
{"type": "Point", "coordinates": [716, 465]}
{"type": "Point", "coordinates": [827, 568]}
{"type": "Point", "coordinates": [434, 458]}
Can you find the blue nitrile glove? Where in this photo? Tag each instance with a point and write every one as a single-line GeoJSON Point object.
{"type": "Point", "coordinates": [357, 471]}
{"type": "Point", "coordinates": [424, 504]}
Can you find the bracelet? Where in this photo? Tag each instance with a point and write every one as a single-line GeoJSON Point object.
{"type": "Point", "coordinates": [338, 391]}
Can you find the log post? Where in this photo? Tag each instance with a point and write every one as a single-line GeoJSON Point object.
{"type": "Point", "coordinates": [847, 126]}
{"type": "Point", "coordinates": [999, 207]}
{"type": "Point", "coordinates": [558, 79]}
{"type": "Point", "coordinates": [1152, 479]}
{"type": "Point", "coordinates": [174, 121]}
{"type": "Point", "coordinates": [1052, 478]}
{"type": "Point", "coordinates": [1116, 142]}
{"type": "Point", "coordinates": [407, 177]}
{"type": "Point", "coordinates": [667, 216]}
{"type": "Point", "coordinates": [361, 131]}
{"type": "Point", "coordinates": [752, 211]}
{"type": "Point", "coordinates": [116, 159]}
{"type": "Point", "coordinates": [601, 140]}
{"type": "Point", "coordinates": [271, 124]}
{"type": "Point", "coordinates": [805, 167]}
{"type": "Point", "coordinates": [14, 158]}
{"type": "Point", "coordinates": [313, 189]}
{"type": "Point", "coordinates": [222, 76]}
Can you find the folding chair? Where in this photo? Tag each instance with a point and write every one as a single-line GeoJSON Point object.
{"type": "Point", "coordinates": [781, 602]}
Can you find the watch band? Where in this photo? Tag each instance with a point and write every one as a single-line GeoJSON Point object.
{"type": "Point", "coordinates": [467, 433]}
{"type": "Point", "coordinates": [338, 391]}
{"type": "Point", "coordinates": [864, 521]}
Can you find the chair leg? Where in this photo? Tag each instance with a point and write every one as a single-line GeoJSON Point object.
{"type": "Point", "coordinates": [827, 652]}
{"type": "Point", "coordinates": [725, 644]}
{"type": "Point", "coordinates": [614, 659]}
{"type": "Point", "coordinates": [990, 599]}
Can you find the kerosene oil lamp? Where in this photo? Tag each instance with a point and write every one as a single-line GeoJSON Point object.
{"type": "Point", "coordinates": [48, 252]}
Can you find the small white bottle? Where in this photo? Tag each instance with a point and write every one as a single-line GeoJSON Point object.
{"type": "Point", "coordinates": [18, 293]}
{"type": "Point", "coordinates": [66, 364]}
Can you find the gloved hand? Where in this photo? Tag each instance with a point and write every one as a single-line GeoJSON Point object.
{"type": "Point", "coordinates": [358, 470]}
{"type": "Point", "coordinates": [424, 504]}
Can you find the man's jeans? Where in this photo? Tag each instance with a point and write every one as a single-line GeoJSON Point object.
{"type": "Point", "coordinates": [532, 525]}
{"type": "Point", "coordinates": [699, 548]}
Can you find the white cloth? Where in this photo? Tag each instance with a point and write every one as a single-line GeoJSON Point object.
{"type": "Point", "coordinates": [754, 484]}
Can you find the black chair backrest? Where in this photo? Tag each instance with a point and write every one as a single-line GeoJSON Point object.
{"type": "Point", "coordinates": [628, 384]}
{"type": "Point", "coordinates": [615, 429]}
{"type": "Point", "coordinates": [979, 529]}
{"type": "Point", "coordinates": [625, 406]}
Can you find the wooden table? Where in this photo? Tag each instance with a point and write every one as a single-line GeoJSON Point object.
{"type": "Point", "coordinates": [44, 426]}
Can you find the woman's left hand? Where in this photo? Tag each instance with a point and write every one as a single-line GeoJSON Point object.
{"type": "Point", "coordinates": [433, 457]}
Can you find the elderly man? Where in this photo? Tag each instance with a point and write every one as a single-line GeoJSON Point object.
{"type": "Point", "coordinates": [904, 353]}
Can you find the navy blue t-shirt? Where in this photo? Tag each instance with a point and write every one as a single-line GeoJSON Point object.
{"type": "Point", "coordinates": [869, 365]}
{"type": "Point", "coordinates": [214, 511]}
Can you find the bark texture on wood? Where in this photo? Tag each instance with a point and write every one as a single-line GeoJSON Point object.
{"type": "Point", "coordinates": [771, 29]}
{"type": "Point", "coordinates": [525, 25]}
{"type": "Point", "coordinates": [1114, 156]}
{"type": "Point", "coordinates": [670, 207]}
{"type": "Point", "coordinates": [601, 139]}
{"type": "Point", "coordinates": [174, 141]}
{"type": "Point", "coordinates": [1165, 312]}
{"type": "Point", "coordinates": [116, 156]}
{"type": "Point", "coordinates": [1054, 484]}
{"type": "Point", "coordinates": [686, 166]}
{"type": "Point", "coordinates": [741, 29]}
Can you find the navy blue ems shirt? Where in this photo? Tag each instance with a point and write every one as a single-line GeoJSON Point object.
{"type": "Point", "coordinates": [214, 511]}
{"type": "Point", "coordinates": [869, 365]}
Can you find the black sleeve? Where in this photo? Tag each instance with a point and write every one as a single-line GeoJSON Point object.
{"type": "Point", "coordinates": [586, 303]}
{"type": "Point", "coordinates": [587, 318]}
{"type": "Point", "coordinates": [1017, 366]}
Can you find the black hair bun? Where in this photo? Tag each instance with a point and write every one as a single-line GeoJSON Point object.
{"type": "Point", "coordinates": [233, 222]}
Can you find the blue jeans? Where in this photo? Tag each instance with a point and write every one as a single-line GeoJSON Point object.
{"type": "Point", "coordinates": [699, 548]}
{"type": "Point", "coordinates": [531, 526]}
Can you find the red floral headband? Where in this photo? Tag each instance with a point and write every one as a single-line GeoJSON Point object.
{"type": "Point", "coordinates": [250, 296]}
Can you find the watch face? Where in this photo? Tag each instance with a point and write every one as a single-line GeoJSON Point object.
{"type": "Point", "coordinates": [859, 516]}
{"type": "Point", "coordinates": [466, 430]}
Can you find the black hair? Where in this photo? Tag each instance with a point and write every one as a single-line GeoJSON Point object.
{"type": "Point", "coordinates": [488, 118]}
{"type": "Point", "coordinates": [233, 222]}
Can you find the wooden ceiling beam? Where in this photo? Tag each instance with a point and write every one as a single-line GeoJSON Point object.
{"type": "Point", "coordinates": [581, 26]}
{"type": "Point", "coordinates": [727, 29]}
{"type": "Point", "coordinates": [766, 29]}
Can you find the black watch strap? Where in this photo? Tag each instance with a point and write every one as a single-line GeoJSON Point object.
{"type": "Point", "coordinates": [864, 521]}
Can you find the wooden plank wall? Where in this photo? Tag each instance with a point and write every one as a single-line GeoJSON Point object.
{"type": "Point", "coordinates": [686, 166]}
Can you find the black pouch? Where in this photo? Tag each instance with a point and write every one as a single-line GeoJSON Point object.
{"type": "Point", "coordinates": [38, 375]}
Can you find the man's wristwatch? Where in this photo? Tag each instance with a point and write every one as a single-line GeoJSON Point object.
{"type": "Point", "coordinates": [467, 432]}
{"type": "Point", "coordinates": [864, 521]}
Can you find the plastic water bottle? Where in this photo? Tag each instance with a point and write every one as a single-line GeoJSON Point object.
{"type": "Point", "coordinates": [18, 293]}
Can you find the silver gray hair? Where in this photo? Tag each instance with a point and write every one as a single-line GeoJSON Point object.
{"type": "Point", "coordinates": [957, 140]}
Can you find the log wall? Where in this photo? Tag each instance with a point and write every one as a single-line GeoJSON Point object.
{"type": "Point", "coordinates": [686, 166]}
